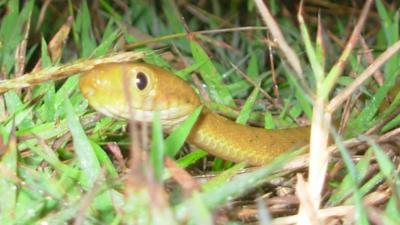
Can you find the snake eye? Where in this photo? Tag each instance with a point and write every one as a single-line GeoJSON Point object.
{"type": "Point", "coordinates": [141, 81]}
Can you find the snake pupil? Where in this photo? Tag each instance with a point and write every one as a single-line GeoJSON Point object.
{"type": "Point", "coordinates": [141, 81]}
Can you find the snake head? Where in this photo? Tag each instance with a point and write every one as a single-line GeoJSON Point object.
{"type": "Point", "coordinates": [137, 91]}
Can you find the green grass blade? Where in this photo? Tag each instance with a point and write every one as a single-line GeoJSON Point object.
{"type": "Point", "coordinates": [85, 155]}
{"type": "Point", "coordinates": [11, 32]}
{"type": "Point", "coordinates": [301, 96]}
{"type": "Point", "coordinates": [222, 178]}
{"type": "Point", "coordinates": [199, 211]}
{"type": "Point", "coordinates": [88, 44]}
{"type": "Point", "coordinates": [45, 57]}
{"type": "Point", "coordinates": [311, 54]}
{"type": "Point", "coordinates": [104, 159]}
{"type": "Point", "coordinates": [106, 44]}
{"type": "Point", "coordinates": [345, 187]}
{"type": "Point", "coordinates": [176, 139]}
{"type": "Point", "coordinates": [247, 108]}
{"type": "Point", "coordinates": [364, 120]}
{"type": "Point", "coordinates": [212, 78]}
{"type": "Point", "coordinates": [191, 158]}
{"type": "Point", "coordinates": [269, 121]}
{"type": "Point", "coordinates": [8, 188]}
{"type": "Point", "coordinates": [157, 148]}
{"type": "Point", "coordinates": [360, 214]}
{"type": "Point", "coordinates": [385, 164]}
{"type": "Point", "coordinates": [392, 211]}
{"type": "Point", "coordinates": [252, 69]}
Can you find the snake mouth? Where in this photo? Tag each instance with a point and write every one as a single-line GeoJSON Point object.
{"type": "Point", "coordinates": [172, 113]}
{"type": "Point", "coordinates": [170, 117]}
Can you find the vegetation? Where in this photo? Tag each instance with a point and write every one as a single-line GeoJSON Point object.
{"type": "Point", "coordinates": [269, 64]}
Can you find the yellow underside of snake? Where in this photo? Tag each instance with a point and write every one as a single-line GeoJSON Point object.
{"type": "Point", "coordinates": [152, 89]}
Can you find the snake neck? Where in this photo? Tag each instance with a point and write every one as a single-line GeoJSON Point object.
{"type": "Point", "coordinates": [232, 141]}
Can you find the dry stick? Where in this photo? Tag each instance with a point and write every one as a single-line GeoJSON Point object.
{"type": "Point", "coordinates": [367, 73]}
{"type": "Point", "coordinates": [63, 71]}
{"type": "Point", "coordinates": [287, 51]}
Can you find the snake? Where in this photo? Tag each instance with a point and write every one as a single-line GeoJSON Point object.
{"type": "Point", "coordinates": [139, 90]}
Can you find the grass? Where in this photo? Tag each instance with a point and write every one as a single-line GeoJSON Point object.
{"type": "Point", "coordinates": [62, 162]}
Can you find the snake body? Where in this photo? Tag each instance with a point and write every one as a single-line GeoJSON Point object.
{"type": "Point", "coordinates": [152, 89]}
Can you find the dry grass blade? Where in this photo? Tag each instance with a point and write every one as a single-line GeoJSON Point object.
{"type": "Point", "coordinates": [308, 214]}
{"type": "Point", "coordinates": [337, 69]}
{"type": "Point", "coordinates": [276, 33]}
{"type": "Point", "coordinates": [321, 120]}
{"type": "Point", "coordinates": [21, 51]}
{"type": "Point", "coordinates": [187, 182]}
{"type": "Point", "coordinates": [339, 211]}
{"type": "Point", "coordinates": [63, 71]}
{"type": "Point", "coordinates": [367, 73]}
{"type": "Point", "coordinates": [57, 43]}
{"type": "Point", "coordinates": [378, 75]}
